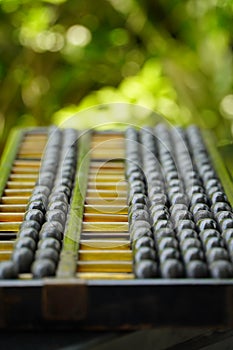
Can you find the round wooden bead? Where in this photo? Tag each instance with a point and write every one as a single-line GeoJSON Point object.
{"type": "Point", "coordinates": [51, 229]}
{"type": "Point", "coordinates": [216, 253]}
{"type": "Point", "coordinates": [227, 234]}
{"type": "Point", "coordinates": [196, 269]}
{"type": "Point", "coordinates": [56, 215]}
{"type": "Point", "coordinates": [172, 268]}
{"type": "Point", "coordinates": [37, 205]}
{"type": "Point", "coordinates": [198, 206]}
{"type": "Point", "coordinates": [58, 205]}
{"type": "Point", "coordinates": [226, 224]}
{"type": "Point", "coordinates": [221, 269]}
{"type": "Point", "coordinates": [49, 243]}
{"type": "Point", "coordinates": [8, 270]}
{"type": "Point", "coordinates": [190, 243]}
{"type": "Point", "coordinates": [22, 258]}
{"type": "Point", "coordinates": [139, 214]}
{"type": "Point", "coordinates": [168, 253]}
{"type": "Point", "coordinates": [163, 224]}
{"type": "Point", "coordinates": [220, 206]}
{"type": "Point", "coordinates": [43, 268]}
{"type": "Point", "coordinates": [144, 253]}
{"type": "Point", "coordinates": [205, 224]}
{"type": "Point", "coordinates": [58, 196]}
{"type": "Point", "coordinates": [144, 242]}
{"type": "Point", "coordinates": [30, 224]}
{"type": "Point", "coordinates": [139, 232]}
{"type": "Point", "coordinates": [167, 242]}
{"type": "Point", "coordinates": [28, 232]}
{"type": "Point", "coordinates": [26, 242]}
{"type": "Point", "coordinates": [34, 214]}
{"type": "Point", "coordinates": [186, 233]}
{"type": "Point", "coordinates": [213, 242]}
{"type": "Point", "coordinates": [146, 269]}
{"type": "Point", "coordinates": [162, 233]}
{"type": "Point", "coordinates": [192, 254]}
{"type": "Point", "coordinates": [47, 253]}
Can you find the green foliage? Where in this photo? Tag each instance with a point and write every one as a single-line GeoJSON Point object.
{"type": "Point", "coordinates": [61, 58]}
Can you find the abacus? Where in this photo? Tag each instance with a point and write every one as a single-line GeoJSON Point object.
{"type": "Point", "coordinates": [115, 229]}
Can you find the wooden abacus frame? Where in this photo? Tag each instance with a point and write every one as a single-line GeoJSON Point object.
{"type": "Point", "coordinates": [68, 302]}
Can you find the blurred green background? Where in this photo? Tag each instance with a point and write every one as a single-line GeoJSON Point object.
{"type": "Point", "coordinates": [61, 57]}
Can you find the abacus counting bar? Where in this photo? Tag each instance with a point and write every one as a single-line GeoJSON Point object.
{"type": "Point", "coordinates": [138, 207]}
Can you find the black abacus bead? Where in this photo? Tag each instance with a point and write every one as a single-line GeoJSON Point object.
{"type": "Point", "coordinates": [198, 206]}
{"type": "Point", "coordinates": [212, 190]}
{"type": "Point", "coordinates": [167, 242]}
{"type": "Point", "coordinates": [159, 198]}
{"type": "Point", "coordinates": [62, 189]}
{"type": "Point", "coordinates": [163, 224]}
{"type": "Point", "coordinates": [226, 224]}
{"type": "Point", "coordinates": [196, 269]}
{"type": "Point", "coordinates": [190, 243]}
{"type": "Point", "coordinates": [144, 241]}
{"type": "Point", "coordinates": [22, 258]}
{"type": "Point", "coordinates": [56, 215]}
{"type": "Point", "coordinates": [51, 229]}
{"type": "Point", "coordinates": [219, 197]}
{"type": "Point", "coordinates": [198, 198]}
{"type": "Point", "coordinates": [186, 233]}
{"type": "Point", "coordinates": [177, 207]}
{"type": "Point", "coordinates": [227, 234]}
{"type": "Point", "coordinates": [43, 268]}
{"type": "Point", "coordinates": [213, 183]}
{"type": "Point", "coordinates": [140, 223]}
{"type": "Point", "coordinates": [41, 189]}
{"type": "Point", "coordinates": [172, 268]}
{"type": "Point", "coordinates": [146, 269]}
{"type": "Point", "coordinates": [47, 253]}
{"type": "Point", "coordinates": [184, 224]}
{"type": "Point", "coordinates": [135, 190]}
{"type": "Point", "coordinates": [216, 253]}
{"type": "Point", "coordinates": [28, 232]}
{"type": "Point", "coordinates": [54, 197]}
{"type": "Point", "coordinates": [223, 215]}
{"type": "Point", "coordinates": [137, 175]}
{"type": "Point", "coordinates": [144, 253]}
{"type": "Point", "coordinates": [192, 254]}
{"type": "Point", "coordinates": [30, 224]}
{"type": "Point", "coordinates": [163, 233]}
{"type": "Point", "coordinates": [139, 232]}
{"type": "Point", "coordinates": [39, 197]}
{"type": "Point", "coordinates": [202, 214]}
{"type": "Point", "coordinates": [138, 198]}
{"type": "Point", "coordinates": [58, 205]}
{"type": "Point", "coordinates": [221, 269]}
{"type": "Point", "coordinates": [8, 270]}
{"type": "Point", "coordinates": [25, 242]}
{"type": "Point", "coordinates": [139, 214]}
{"type": "Point", "coordinates": [181, 215]}
{"type": "Point", "coordinates": [195, 189]}
{"type": "Point", "coordinates": [209, 233]}
{"type": "Point", "coordinates": [159, 215]}
{"type": "Point", "coordinates": [40, 205]}
{"type": "Point", "coordinates": [158, 207]}
{"type": "Point", "coordinates": [213, 242]}
{"type": "Point", "coordinates": [179, 198]}
{"type": "Point", "coordinates": [49, 243]}
{"type": "Point", "coordinates": [168, 253]}
{"type": "Point", "coordinates": [205, 224]}
{"type": "Point", "coordinates": [34, 214]}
